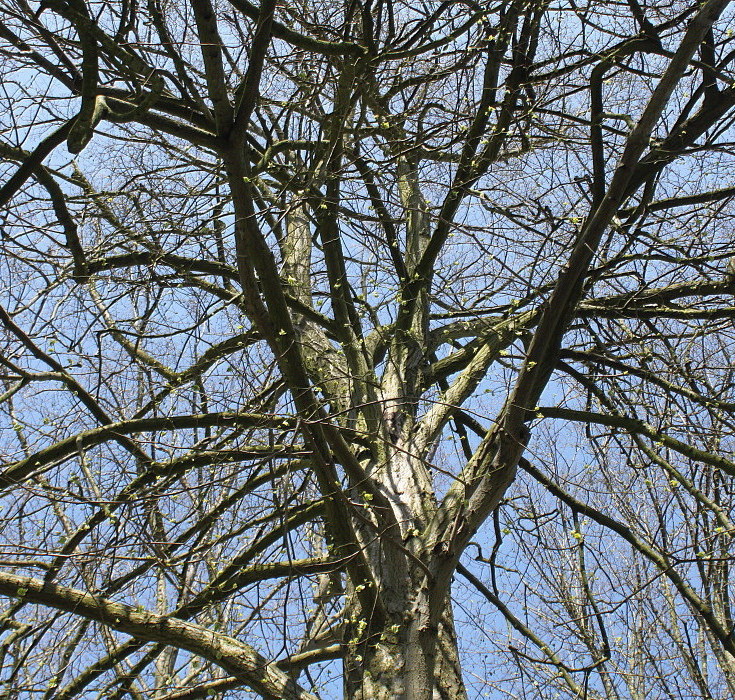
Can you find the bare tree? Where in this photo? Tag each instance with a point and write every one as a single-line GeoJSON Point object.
{"type": "Point", "coordinates": [378, 348]}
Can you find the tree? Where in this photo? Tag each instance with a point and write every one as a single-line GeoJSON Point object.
{"type": "Point", "coordinates": [371, 346]}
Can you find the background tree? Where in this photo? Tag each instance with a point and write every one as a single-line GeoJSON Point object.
{"type": "Point", "coordinates": [380, 346]}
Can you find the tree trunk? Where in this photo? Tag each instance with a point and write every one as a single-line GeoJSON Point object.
{"type": "Point", "coordinates": [389, 664]}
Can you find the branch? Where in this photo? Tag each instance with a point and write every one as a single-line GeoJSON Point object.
{"type": "Point", "coordinates": [594, 357]}
{"type": "Point", "coordinates": [33, 161]}
{"type": "Point", "coordinates": [526, 631]}
{"type": "Point", "coordinates": [58, 201]}
{"type": "Point", "coordinates": [662, 295]}
{"type": "Point", "coordinates": [653, 555]}
{"type": "Point", "coordinates": [234, 656]}
{"type": "Point", "coordinates": [250, 88]}
{"type": "Point", "coordinates": [19, 471]}
{"type": "Point", "coordinates": [488, 474]}
{"type": "Point", "coordinates": [280, 31]}
{"type": "Point", "coordinates": [211, 48]}
{"type": "Point", "coordinates": [633, 425]}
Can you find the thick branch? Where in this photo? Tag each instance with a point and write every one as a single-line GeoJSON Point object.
{"type": "Point", "coordinates": [235, 657]}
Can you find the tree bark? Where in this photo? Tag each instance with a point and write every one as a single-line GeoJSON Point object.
{"type": "Point", "coordinates": [394, 663]}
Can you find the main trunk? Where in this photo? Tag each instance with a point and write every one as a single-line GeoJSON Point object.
{"type": "Point", "coordinates": [401, 661]}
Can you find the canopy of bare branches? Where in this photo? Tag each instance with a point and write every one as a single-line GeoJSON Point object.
{"type": "Point", "coordinates": [367, 348]}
